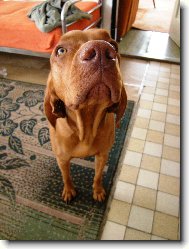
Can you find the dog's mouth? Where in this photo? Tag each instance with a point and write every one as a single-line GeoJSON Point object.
{"type": "Point", "coordinates": [98, 94]}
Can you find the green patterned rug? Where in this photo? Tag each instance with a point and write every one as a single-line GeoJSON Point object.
{"type": "Point", "coordinates": [31, 207]}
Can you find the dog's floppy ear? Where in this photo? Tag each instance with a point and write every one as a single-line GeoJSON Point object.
{"type": "Point", "coordinates": [53, 106]}
{"type": "Point", "coordinates": [119, 108]}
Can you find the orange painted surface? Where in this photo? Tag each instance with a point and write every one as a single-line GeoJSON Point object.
{"type": "Point", "coordinates": [18, 31]}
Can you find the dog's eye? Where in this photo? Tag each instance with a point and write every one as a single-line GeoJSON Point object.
{"type": "Point", "coordinates": [60, 51]}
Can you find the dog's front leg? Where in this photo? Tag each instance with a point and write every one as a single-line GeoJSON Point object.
{"type": "Point", "coordinates": [68, 191]}
{"type": "Point", "coordinates": [98, 190]}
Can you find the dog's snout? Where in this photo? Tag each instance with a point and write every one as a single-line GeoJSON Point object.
{"type": "Point", "coordinates": [93, 51]}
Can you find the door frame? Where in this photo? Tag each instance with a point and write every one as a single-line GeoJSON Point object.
{"type": "Point", "coordinates": [174, 31]}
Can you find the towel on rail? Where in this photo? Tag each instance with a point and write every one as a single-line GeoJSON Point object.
{"type": "Point", "coordinates": [47, 15]}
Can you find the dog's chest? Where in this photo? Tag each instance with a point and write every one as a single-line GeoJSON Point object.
{"type": "Point", "coordinates": [84, 148]}
{"type": "Point", "coordinates": [67, 140]}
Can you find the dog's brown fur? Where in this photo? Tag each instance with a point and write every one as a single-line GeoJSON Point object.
{"type": "Point", "coordinates": [84, 90]}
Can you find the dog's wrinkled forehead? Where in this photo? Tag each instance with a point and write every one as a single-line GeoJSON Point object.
{"type": "Point", "coordinates": [78, 36]}
{"type": "Point", "coordinates": [74, 39]}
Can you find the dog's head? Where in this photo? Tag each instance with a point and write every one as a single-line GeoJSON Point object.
{"type": "Point", "coordinates": [85, 71]}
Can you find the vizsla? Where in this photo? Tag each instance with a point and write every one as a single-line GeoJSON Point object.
{"type": "Point", "coordinates": [84, 91]}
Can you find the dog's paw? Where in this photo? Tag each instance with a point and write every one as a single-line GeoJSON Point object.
{"type": "Point", "coordinates": [68, 194]}
{"type": "Point", "coordinates": [99, 194]}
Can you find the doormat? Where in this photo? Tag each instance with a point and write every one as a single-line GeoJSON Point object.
{"type": "Point", "coordinates": [31, 207]}
{"type": "Point", "coordinates": [154, 19]}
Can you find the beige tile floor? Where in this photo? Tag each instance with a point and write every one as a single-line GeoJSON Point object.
{"type": "Point", "coordinates": [144, 204]}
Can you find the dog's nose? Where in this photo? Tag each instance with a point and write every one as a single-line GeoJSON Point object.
{"type": "Point", "coordinates": [92, 51]}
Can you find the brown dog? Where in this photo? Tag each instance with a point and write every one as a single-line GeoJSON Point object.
{"type": "Point", "coordinates": [83, 92]}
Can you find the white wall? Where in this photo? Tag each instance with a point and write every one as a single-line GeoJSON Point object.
{"type": "Point", "coordinates": [107, 12]}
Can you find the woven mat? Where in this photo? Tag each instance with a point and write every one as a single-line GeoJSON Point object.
{"type": "Point", "coordinates": [31, 207]}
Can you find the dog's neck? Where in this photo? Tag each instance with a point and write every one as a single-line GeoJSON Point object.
{"type": "Point", "coordinates": [87, 120]}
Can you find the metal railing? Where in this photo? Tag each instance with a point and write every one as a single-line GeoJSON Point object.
{"type": "Point", "coordinates": [65, 10]}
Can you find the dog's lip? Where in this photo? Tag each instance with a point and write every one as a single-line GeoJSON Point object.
{"type": "Point", "coordinates": [111, 95]}
{"type": "Point", "coordinates": [99, 87]}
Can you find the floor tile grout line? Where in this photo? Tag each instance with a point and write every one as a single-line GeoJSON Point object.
{"type": "Point", "coordinates": [120, 164]}
{"type": "Point", "coordinates": [161, 160]}
{"type": "Point", "coordinates": [157, 190]}
{"type": "Point", "coordinates": [134, 85]}
{"type": "Point", "coordinates": [153, 222]}
{"type": "Point", "coordinates": [143, 79]}
{"type": "Point", "coordinates": [150, 233]}
{"type": "Point", "coordinates": [139, 93]}
{"type": "Point", "coordinates": [150, 209]}
{"type": "Point", "coordinates": [159, 170]}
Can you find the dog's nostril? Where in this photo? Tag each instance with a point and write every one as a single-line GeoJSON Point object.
{"type": "Point", "coordinates": [91, 55]}
{"type": "Point", "coordinates": [110, 54]}
{"type": "Point", "coordinates": [94, 51]}
{"type": "Point", "coordinates": [88, 54]}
